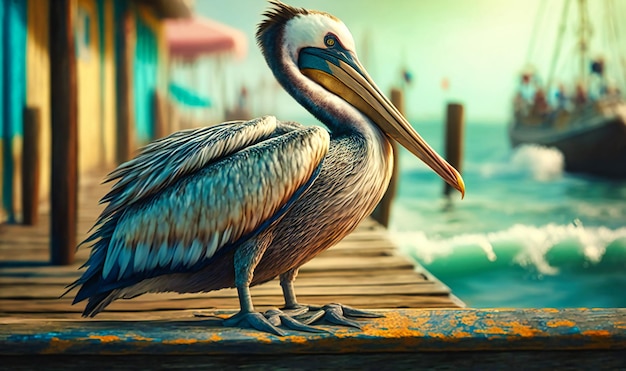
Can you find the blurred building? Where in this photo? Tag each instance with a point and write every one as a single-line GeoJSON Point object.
{"type": "Point", "coordinates": [121, 69]}
{"type": "Point", "coordinates": [201, 51]}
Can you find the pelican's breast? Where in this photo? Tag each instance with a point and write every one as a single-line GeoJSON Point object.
{"type": "Point", "coordinates": [353, 179]}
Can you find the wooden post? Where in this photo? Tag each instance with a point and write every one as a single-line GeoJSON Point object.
{"type": "Point", "coordinates": [382, 212]}
{"type": "Point", "coordinates": [30, 165]}
{"type": "Point", "coordinates": [63, 117]}
{"type": "Point", "coordinates": [124, 89]}
{"type": "Point", "coordinates": [455, 120]}
{"type": "Point", "coordinates": [160, 115]}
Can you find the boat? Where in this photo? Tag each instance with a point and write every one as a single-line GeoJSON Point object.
{"type": "Point", "coordinates": [588, 125]}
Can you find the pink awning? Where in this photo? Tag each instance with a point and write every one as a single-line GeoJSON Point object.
{"type": "Point", "coordinates": [193, 37]}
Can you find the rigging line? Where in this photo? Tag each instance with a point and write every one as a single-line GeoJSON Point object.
{"type": "Point", "coordinates": [559, 43]}
{"type": "Point", "coordinates": [620, 53]}
{"type": "Point", "coordinates": [584, 35]}
{"type": "Point", "coordinates": [608, 38]}
{"type": "Point", "coordinates": [540, 14]}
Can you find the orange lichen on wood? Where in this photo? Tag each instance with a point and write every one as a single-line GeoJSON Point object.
{"type": "Point", "coordinates": [57, 346]}
{"type": "Point", "coordinates": [394, 325]}
{"type": "Point", "coordinates": [141, 338]}
{"type": "Point", "coordinates": [596, 333]}
{"type": "Point", "coordinates": [550, 310]}
{"type": "Point", "coordinates": [492, 330]}
{"type": "Point", "coordinates": [561, 323]}
{"type": "Point", "coordinates": [105, 338]}
{"type": "Point", "coordinates": [524, 329]}
{"type": "Point", "coordinates": [462, 334]}
{"type": "Point", "coordinates": [469, 319]}
{"type": "Point", "coordinates": [180, 341]}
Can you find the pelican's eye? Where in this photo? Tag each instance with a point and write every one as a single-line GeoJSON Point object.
{"type": "Point", "coordinates": [330, 40]}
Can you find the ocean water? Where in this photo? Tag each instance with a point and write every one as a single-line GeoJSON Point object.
{"type": "Point", "coordinates": [526, 235]}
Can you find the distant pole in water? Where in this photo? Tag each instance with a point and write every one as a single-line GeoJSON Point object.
{"type": "Point", "coordinates": [455, 121]}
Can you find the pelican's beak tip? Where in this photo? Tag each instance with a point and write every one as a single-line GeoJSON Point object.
{"type": "Point", "coordinates": [461, 184]}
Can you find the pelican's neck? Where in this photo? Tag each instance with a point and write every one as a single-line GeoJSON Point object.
{"type": "Point", "coordinates": [341, 118]}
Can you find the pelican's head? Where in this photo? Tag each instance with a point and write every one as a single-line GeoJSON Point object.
{"type": "Point", "coordinates": [312, 54]}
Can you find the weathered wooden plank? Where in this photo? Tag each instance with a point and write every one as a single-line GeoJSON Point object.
{"type": "Point", "coordinates": [321, 263]}
{"type": "Point", "coordinates": [34, 248]}
{"type": "Point", "coordinates": [304, 279]}
{"type": "Point", "coordinates": [357, 263]}
{"type": "Point", "coordinates": [19, 292]}
{"type": "Point", "coordinates": [406, 331]}
{"type": "Point", "coordinates": [135, 309]}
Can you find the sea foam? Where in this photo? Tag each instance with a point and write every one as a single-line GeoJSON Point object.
{"type": "Point", "coordinates": [541, 162]}
{"type": "Point", "coordinates": [544, 249]}
{"type": "Point", "coordinates": [537, 162]}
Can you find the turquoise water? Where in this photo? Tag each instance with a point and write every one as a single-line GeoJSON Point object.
{"type": "Point", "coordinates": [526, 235]}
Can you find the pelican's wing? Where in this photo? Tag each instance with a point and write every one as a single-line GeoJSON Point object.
{"type": "Point", "coordinates": [166, 160]}
{"type": "Point", "coordinates": [178, 225]}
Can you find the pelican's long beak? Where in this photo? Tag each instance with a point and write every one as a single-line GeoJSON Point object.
{"type": "Point", "coordinates": [340, 72]}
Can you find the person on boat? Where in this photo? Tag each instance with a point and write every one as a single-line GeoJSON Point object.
{"type": "Point", "coordinates": [540, 103]}
{"type": "Point", "coordinates": [558, 99]}
{"type": "Point", "coordinates": [528, 86]}
{"type": "Point", "coordinates": [597, 80]}
{"type": "Point", "coordinates": [580, 95]}
{"type": "Point", "coordinates": [520, 104]}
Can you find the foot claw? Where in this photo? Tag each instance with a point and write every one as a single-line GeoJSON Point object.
{"type": "Point", "coordinates": [294, 324]}
{"type": "Point", "coordinates": [255, 320]}
{"type": "Point", "coordinates": [311, 317]}
{"type": "Point", "coordinates": [359, 313]}
{"type": "Point", "coordinates": [204, 315]}
{"type": "Point", "coordinates": [337, 314]}
{"type": "Point", "coordinates": [295, 311]}
{"type": "Point", "coordinates": [271, 319]}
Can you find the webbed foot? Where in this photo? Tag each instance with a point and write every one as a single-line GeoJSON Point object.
{"type": "Point", "coordinates": [255, 320]}
{"type": "Point", "coordinates": [334, 313]}
{"type": "Point", "coordinates": [270, 320]}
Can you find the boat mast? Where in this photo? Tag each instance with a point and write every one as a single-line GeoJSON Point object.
{"type": "Point", "coordinates": [584, 34]}
{"type": "Point", "coordinates": [559, 42]}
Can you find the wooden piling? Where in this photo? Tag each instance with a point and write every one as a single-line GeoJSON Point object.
{"type": "Point", "coordinates": [160, 115]}
{"type": "Point", "coordinates": [63, 117]}
{"type": "Point", "coordinates": [455, 121]}
{"type": "Point", "coordinates": [30, 165]}
{"type": "Point", "coordinates": [382, 212]}
{"type": "Point", "coordinates": [124, 89]}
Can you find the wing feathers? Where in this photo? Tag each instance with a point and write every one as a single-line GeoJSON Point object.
{"type": "Point", "coordinates": [164, 225]}
{"type": "Point", "coordinates": [164, 161]}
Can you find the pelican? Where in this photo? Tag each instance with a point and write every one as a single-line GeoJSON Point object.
{"type": "Point", "coordinates": [241, 203]}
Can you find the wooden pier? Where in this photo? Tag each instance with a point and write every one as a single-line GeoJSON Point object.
{"type": "Point", "coordinates": [424, 324]}
{"type": "Point", "coordinates": [364, 270]}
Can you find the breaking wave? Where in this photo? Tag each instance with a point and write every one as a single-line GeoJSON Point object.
{"type": "Point", "coordinates": [544, 250]}
{"type": "Point", "coordinates": [534, 161]}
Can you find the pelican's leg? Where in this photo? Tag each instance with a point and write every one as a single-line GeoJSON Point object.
{"type": "Point", "coordinates": [286, 283]}
{"type": "Point", "coordinates": [338, 314]}
{"type": "Point", "coordinates": [247, 256]}
{"type": "Point", "coordinates": [246, 259]}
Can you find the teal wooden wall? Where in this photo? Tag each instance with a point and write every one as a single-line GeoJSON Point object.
{"type": "Point", "coordinates": [13, 89]}
{"type": "Point", "coordinates": [145, 70]}
{"type": "Point", "coordinates": [145, 80]}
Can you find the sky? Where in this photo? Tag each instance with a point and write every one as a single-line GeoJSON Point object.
{"type": "Point", "coordinates": [478, 46]}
